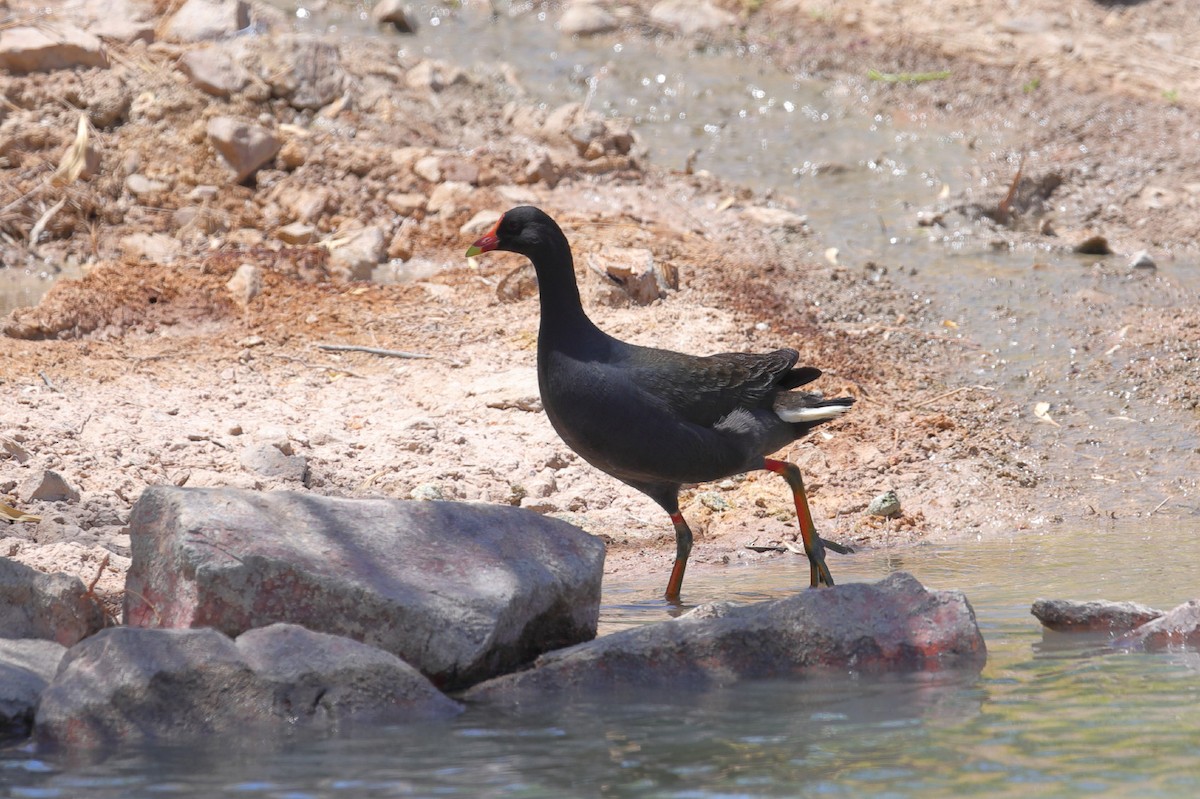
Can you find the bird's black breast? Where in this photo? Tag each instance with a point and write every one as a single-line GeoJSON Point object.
{"type": "Point", "coordinates": [656, 419]}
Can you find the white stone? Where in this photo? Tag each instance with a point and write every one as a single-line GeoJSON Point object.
{"type": "Point", "coordinates": [246, 283]}
{"type": "Point", "coordinates": [690, 17]}
{"type": "Point", "coordinates": [200, 20]}
{"type": "Point", "coordinates": [586, 19]}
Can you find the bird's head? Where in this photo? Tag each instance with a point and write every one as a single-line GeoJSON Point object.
{"type": "Point", "coordinates": [525, 230]}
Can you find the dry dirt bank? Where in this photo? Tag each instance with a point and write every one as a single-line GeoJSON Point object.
{"type": "Point", "coordinates": [145, 372]}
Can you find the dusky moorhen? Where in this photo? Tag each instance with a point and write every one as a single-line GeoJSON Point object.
{"type": "Point", "coordinates": [657, 419]}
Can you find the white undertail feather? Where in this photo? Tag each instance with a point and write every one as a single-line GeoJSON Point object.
{"type": "Point", "coordinates": [817, 414]}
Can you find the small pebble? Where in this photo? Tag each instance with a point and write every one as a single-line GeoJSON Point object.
{"type": "Point", "coordinates": [714, 501]}
{"type": "Point", "coordinates": [1142, 260]}
{"type": "Point", "coordinates": [427, 492]}
{"type": "Point", "coordinates": [886, 504]}
{"type": "Point", "coordinates": [1095, 245]}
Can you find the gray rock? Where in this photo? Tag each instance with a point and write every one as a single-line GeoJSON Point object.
{"type": "Point", "coordinates": [245, 147]}
{"type": "Point", "coordinates": [356, 258]}
{"type": "Point", "coordinates": [635, 270]}
{"type": "Point", "coordinates": [586, 18]}
{"type": "Point", "coordinates": [690, 17]}
{"type": "Point", "coordinates": [304, 70]}
{"type": "Point", "coordinates": [428, 168]}
{"type": "Point", "coordinates": [330, 679]}
{"type": "Point", "coordinates": [245, 285]}
{"type": "Point", "coordinates": [406, 204]}
{"type": "Point", "coordinates": [214, 70]}
{"type": "Point", "coordinates": [481, 223]}
{"type": "Point", "coordinates": [427, 492]}
{"type": "Point", "coordinates": [46, 48]}
{"type": "Point", "coordinates": [395, 13]}
{"type": "Point", "coordinates": [125, 21]}
{"type": "Point", "coordinates": [141, 186]}
{"type": "Point", "coordinates": [13, 449]}
{"type": "Point", "coordinates": [269, 461]}
{"type": "Point", "coordinates": [461, 170]}
{"type": "Point", "coordinates": [448, 198]}
{"type": "Point", "coordinates": [50, 486]}
{"type": "Point", "coordinates": [461, 592]}
{"type": "Point", "coordinates": [131, 685]}
{"type": "Point", "coordinates": [776, 218]}
{"type": "Point", "coordinates": [540, 168]}
{"type": "Point", "coordinates": [26, 668]}
{"type": "Point", "coordinates": [128, 684]}
{"type": "Point", "coordinates": [157, 248]}
{"type": "Point", "coordinates": [201, 20]}
{"type": "Point", "coordinates": [305, 205]}
{"type": "Point", "coordinates": [590, 134]}
{"type": "Point", "coordinates": [894, 625]}
{"type": "Point", "coordinates": [297, 233]}
{"type": "Point", "coordinates": [53, 607]}
{"type": "Point", "coordinates": [107, 106]}
{"type": "Point", "coordinates": [1142, 260]}
{"type": "Point", "coordinates": [1068, 616]}
{"type": "Point", "coordinates": [1178, 628]}
{"type": "Point", "coordinates": [434, 75]}
{"type": "Point", "coordinates": [886, 505]}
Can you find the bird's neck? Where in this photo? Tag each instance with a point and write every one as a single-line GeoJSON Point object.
{"type": "Point", "coordinates": [558, 292]}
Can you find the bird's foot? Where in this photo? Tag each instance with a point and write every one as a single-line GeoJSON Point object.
{"type": "Point", "coordinates": [841, 549]}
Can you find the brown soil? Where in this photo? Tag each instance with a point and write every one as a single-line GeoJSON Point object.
{"type": "Point", "coordinates": [143, 373]}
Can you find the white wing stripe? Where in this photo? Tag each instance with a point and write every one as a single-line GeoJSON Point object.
{"type": "Point", "coordinates": [812, 414]}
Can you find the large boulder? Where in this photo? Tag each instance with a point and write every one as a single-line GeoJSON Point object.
{"type": "Point", "coordinates": [55, 607]}
{"type": "Point", "coordinates": [1070, 616]}
{"type": "Point", "coordinates": [26, 668]}
{"type": "Point", "coordinates": [138, 685]}
{"type": "Point", "coordinates": [893, 625]}
{"type": "Point", "coordinates": [462, 592]}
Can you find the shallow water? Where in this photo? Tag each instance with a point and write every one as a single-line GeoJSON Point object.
{"type": "Point", "coordinates": [1057, 718]}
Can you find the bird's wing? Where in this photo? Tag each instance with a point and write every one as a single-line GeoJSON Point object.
{"type": "Point", "coordinates": [705, 389]}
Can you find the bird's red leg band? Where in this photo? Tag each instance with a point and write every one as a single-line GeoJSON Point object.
{"type": "Point", "coordinates": [813, 546]}
{"type": "Point", "coordinates": [683, 548]}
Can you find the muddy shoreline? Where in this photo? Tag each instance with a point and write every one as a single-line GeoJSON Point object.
{"type": "Point", "coordinates": [153, 370]}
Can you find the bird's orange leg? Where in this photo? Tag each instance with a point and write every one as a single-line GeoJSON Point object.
{"type": "Point", "coordinates": [814, 545]}
{"type": "Point", "coordinates": [683, 548]}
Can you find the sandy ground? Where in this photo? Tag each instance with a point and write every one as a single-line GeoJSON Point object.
{"type": "Point", "coordinates": [145, 373]}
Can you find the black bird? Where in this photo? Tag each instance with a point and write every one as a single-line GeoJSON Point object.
{"type": "Point", "coordinates": [657, 419]}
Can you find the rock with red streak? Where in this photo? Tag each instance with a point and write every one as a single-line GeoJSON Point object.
{"type": "Point", "coordinates": [129, 685]}
{"type": "Point", "coordinates": [1178, 628]}
{"type": "Point", "coordinates": [893, 625]}
{"type": "Point", "coordinates": [463, 592]}
{"type": "Point", "coordinates": [1069, 616]}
